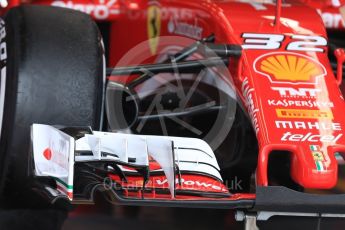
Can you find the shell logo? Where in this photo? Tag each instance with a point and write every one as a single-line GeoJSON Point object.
{"type": "Point", "coordinates": [289, 67]}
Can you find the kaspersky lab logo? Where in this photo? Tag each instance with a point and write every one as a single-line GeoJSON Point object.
{"type": "Point", "coordinates": [290, 68]}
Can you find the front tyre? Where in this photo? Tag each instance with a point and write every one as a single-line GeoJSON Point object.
{"type": "Point", "coordinates": [54, 75]}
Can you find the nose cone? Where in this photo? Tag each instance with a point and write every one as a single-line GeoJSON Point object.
{"type": "Point", "coordinates": [314, 168]}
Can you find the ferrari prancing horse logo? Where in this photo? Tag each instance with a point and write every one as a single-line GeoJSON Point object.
{"type": "Point", "coordinates": [153, 27]}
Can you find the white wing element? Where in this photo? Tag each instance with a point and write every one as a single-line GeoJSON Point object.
{"type": "Point", "coordinates": [53, 153]}
{"type": "Point", "coordinates": [162, 151]}
{"type": "Point", "coordinates": [107, 144]}
{"type": "Point", "coordinates": [96, 146]}
{"type": "Point", "coordinates": [189, 154]}
{"type": "Point", "coordinates": [3, 3]}
{"type": "Point", "coordinates": [135, 149]}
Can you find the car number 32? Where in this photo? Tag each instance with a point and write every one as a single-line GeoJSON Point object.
{"type": "Point", "coordinates": [274, 41]}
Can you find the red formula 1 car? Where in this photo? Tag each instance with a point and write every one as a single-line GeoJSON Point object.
{"type": "Point", "coordinates": [254, 79]}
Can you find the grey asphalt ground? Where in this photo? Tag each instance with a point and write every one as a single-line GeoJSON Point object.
{"type": "Point", "coordinates": [187, 219]}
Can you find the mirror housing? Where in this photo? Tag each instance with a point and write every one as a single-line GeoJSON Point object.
{"type": "Point", "coordinates": [340, 55]}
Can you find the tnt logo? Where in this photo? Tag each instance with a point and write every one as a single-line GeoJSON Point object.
{"type": "Point", "coordinates": [300, 92]}
{"type": "Point", "coordinates": [289, 68]}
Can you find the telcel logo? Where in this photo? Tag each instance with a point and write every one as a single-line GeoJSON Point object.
{"type": "Point", "coordinates": [310, 137]}
{"type": "Point", "coordinates": [300, 92]}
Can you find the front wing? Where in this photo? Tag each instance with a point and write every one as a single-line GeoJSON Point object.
{"type": "Point", "coordinates": [131, 169]}
{"type": "Point", "coordinates": [70, 164]}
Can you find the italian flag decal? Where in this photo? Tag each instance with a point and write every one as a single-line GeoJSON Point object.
{"type": "Point", "coordinates": [64, 188]}
{"type": "Point", "coordinates": [318, 157]}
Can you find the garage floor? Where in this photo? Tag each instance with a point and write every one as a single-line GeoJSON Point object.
{"type": "Point", "coordinates": [104, 216]}
{"type": "Point", "coordinates": [173, 218]}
